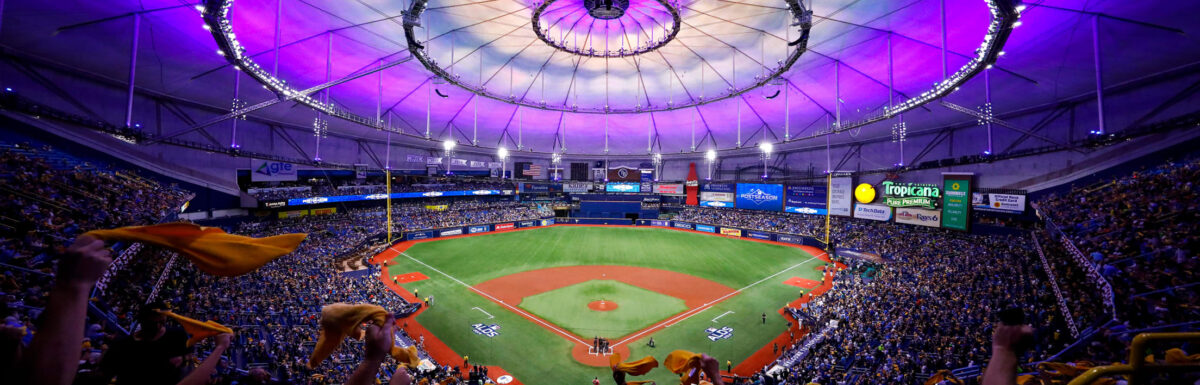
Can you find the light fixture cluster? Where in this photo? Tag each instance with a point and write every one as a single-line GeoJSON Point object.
{"type": "Point", "coordinates": [661, 27]}
{"type": "Point", "coordinates": [899, 132]}
{"type": "Point", "coordinates": [801, 16]}
{"type": "Point", "coordinates": [1004, 17]}
{"type": "Point", "coordinates": [217, 22]}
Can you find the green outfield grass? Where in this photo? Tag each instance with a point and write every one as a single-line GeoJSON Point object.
{"type": "Point", "coordinates": [537, 356]}
{"type": "Point", "coordinates": [637, 308]}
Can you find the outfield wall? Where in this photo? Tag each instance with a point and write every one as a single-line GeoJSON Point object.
{"type": "Point", "coordinates": [473, 229]}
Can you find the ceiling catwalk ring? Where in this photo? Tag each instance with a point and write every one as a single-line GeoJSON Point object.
{"type": "Point", "coordinates": [801, 19]}
{"type": "Point", "coordinates": [657, 22]}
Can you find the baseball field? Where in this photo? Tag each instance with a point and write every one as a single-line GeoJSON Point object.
{"type": "Point", "coordinates": [532, 301]}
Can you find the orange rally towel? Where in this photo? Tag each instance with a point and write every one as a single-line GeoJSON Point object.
{"type": "Point", "coordinates": [633, 368]}
{"type": "Point", "coordinates": [197, 330]}
{"type": "Point", "coordinates": [212, 250]}
{"type": "Point", "coordinates": [406, 356]}
{"type": "Point", "coordinates": [341, 320]}
{"type": "Point", "coordinates": [1178, 356]}
{"type": "Point", "coordinates": [686, 364]}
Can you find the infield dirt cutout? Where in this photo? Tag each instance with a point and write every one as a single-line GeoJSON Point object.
{"type": "Point", "coordinates": [696, 292]}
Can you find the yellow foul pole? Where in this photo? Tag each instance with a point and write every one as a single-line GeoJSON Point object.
{"type": "Point", "coordinates": [828, 190]}
{"type": "Point", "coordinates": [388, 175]}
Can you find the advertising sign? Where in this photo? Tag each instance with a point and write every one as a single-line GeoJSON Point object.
{"type": "Point", "coordinates": [268, 171]}
{"type": "Point", "coordinates": [419, 235]}
{"type": "Point", "coordinates": [504, 226]}
{"type": "Point", "coordinates": [407, 195]}
{"type": "Point", "coordinates": [620, 187]}
{"type": "Point", "coordinates": [719, 187]}
{"type": "Point", "coordinates": [447, 233]}
{"type": "Point", "coordinates": [1002, 203]}
{"type": "Point", "coordinates": [758, 196]}
{"type": "Point", "coordinates": [669, 188]}
{"type": "Point", "coordinates": [790, 239]}
{"type": "Point", "coordinates": [919, 217]}
{"type": "Point", "coordinates": [715, 204]}
{"type": "Point", "coordinates": [839, 196]}
{"type": "Point", "coordinates": [624, 174]}
{"type": "Point", "coordinates": [758, 235]}
{"type": "Point", "coordinates": [577, 187]}
{"type": "Point", "coordinates": [655, 222]}
{"type": "Point", "coordinates": [910, 194]}
{"type": "Point", "coordinates": [683, 225]}
{"type": "Point", "coordinates": [547, 222]}
{"type": "Point", "coordinates": [873, 212]}
{"type": "Point", "coordinates": [717, 196]}
{"type": "Point", "coordinates": [527, 224]}
{"type": "Point", "coordinates": [477, 229]}
{"type": "Point", "coordinates": [733, 232]}
{"type": "Point", "coordinates": [956, 203]}
{"type": "Point", "coordinates": [805, 200]}
{"type": "Point", "coordinates": [706, 228]}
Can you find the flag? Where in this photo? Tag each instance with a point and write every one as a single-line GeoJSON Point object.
{"type": "Point", "coordinates": [532, 170]}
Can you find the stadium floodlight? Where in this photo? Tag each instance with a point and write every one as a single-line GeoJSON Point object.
{"type": "Point", "coordinates": [449, 145]}
{"type": "Point", "coordinates": [657, 159]}
{"type": "Point", "coordinates": [502, 153]}
{"type": "Point", "coordinates": [711, 156]}
{"type": "Point", "coordinates": [766, 148]}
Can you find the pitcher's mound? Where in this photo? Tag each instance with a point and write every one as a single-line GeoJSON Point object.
{"type": "Point", "coordinates": [602, 305]}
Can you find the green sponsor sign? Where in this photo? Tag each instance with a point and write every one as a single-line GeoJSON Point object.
{"type": "Point", "coordinates": [909, 202]}
{"type": "Point", "coordinates": [956, 203]}
{"type": "Point", "coordinates": [910, 194]}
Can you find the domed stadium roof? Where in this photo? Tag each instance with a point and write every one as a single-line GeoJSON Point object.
{"type": "Point", "coordinates": [617, 77]}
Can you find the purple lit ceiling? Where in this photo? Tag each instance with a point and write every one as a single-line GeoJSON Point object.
{"type": "Point", "coordinates": [492, 43]}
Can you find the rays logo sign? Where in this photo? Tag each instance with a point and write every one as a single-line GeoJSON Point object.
{"type": "Point", "coordinates": [485, 330]}
{"type": "Point", "coordinates": [715, 334]}
{"type": "Point", "coordinates": [756, 196]}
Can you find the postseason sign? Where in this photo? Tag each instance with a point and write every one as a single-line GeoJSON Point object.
{"type": "Point", "coordinates": [806, 200]}
{"type": "Point", "coordinates": [758, 196]}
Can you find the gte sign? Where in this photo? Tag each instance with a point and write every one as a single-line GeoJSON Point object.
{"type": "Point", "coordinates": [910, 194]}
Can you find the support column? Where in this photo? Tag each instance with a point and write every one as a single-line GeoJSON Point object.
{"type": "Point", "coordinates": [237, 82]}
{"type": "Point", "coordinates": [278, 35]}
{"type": "Point", "coordinates": [133, 54]}
{"type": "Point", "coordinates": [987, 106]}
{"type": "Point", "coordinates": [942, 6]}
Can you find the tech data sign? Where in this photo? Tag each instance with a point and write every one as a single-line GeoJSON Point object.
{"type": "Point", "coordinates": [919, 217]}
{"type": "Point", "coordinates": [873, 212]}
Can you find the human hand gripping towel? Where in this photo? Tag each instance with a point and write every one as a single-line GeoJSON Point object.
{"type": "Point", "coordinates": [341, 320]}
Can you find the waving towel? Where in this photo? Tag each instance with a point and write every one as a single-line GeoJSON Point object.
{"type": "Point", "coordinates": [212, 250]}
{"type": "Point", "coordinates": [687, 365]}
{"type": "Point", "coordinates": [196, 330]}
{"type": "Point", "coordinates": [341, 320]}
{"type": "Point", "coordinates": [633, 368]}
{"type": "Point", "coordinates": [406, 356]}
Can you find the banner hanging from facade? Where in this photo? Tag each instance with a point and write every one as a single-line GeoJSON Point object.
{"type": "Point", "coordinates": [873, 212]}
{"type": "Point", "coordinates": [669, 188]}
{"type": "Point", "coordinates": [759, 196]}
{"type": "Point", "coordinates": [919, 217]}
{"type": "Point", "coordinates": [806, 200]}
{"type": "Point", "coordinates": [1001, 203]}
{"type": "Point", "coordinates": [268, 171]}
{"type": "Point", "coordinates": [576, 187]}
{"type": "Point", "coordinates": [840, 200]}
{"type": "Point", "coordinates": [956, 203]}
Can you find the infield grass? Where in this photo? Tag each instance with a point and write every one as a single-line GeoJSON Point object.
{"type": "Point", "coordinates": [636, 309]}
{"type": "Point", "coordinates": [538, 356]}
